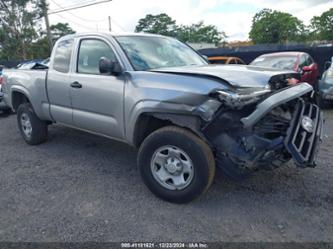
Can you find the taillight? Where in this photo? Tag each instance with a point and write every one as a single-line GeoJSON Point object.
{"type": "Point", "coordinates": [1, 80]}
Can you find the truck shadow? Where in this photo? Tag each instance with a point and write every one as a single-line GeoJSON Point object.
{"type": "Point", "coordinates": [4, 115]}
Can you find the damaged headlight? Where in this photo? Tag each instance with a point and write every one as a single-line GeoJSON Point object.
{"type": "Point", "coordinates": [241, 97]}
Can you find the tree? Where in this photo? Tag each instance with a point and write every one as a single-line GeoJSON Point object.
{"type": "Point", "coordinates": [161, 24]}
{"type": "Point", "coordinates": [270, 26]}
{"type": "Point", "coordinates": [322, 26]}
{"type": "Point", "coordinates": [40, 48]}
{"type": "Point", "coordinates": [18, 27]}
{"type": "Point", "coordinates": [199, 32]}
{"type": "Point", "coordinates": [60, 29]}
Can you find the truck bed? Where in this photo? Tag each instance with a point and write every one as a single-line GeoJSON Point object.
{"type": "Point", "coordinates": [30, 82]}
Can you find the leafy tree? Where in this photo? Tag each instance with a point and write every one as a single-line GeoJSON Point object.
{"type": "Point", "coordinates": [270, 26]}
{"type": "Point", "coordinates": [200, 32]}
{"type": "Point", "coordinates": [40, 48]}
{"type": "Point", "coordinates": [164, 25]}
{"type": "Point", "coordinates": [60, 29]}
{"type": "Point", "coordinates": [157, 24]}
{"type": "Point", "coordinates": [17, 24]}
{"type": "Point", "coordinates": [322, 26]}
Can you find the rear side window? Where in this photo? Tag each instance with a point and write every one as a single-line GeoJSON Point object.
{"type": "Point", "coordinates": [91, 51]}
{"type": "Point", "coordinates": [62, 56]}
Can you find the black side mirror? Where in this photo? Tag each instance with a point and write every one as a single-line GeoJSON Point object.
{"type": "Point", "coordinates": [328, 64]}
{"type": "Point", "coordinates": [107, 66]}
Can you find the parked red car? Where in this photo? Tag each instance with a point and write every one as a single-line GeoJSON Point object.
{"type": "Point", "coordinates": [296, 61]}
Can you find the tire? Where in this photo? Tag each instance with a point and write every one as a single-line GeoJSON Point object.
{"type": "Point", "coordinates": [37, 127]}
{"type": "Point", "coordinates": [189, 152]}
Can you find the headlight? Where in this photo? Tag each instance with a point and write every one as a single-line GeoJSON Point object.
{"type": "Point", "coordinates": [239, 98]}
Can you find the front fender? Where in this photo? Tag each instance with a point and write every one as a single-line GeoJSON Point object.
{"type": "Point", "coordinates": [153, 107]}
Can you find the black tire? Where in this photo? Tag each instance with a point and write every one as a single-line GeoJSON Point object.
{"type": "Point", "coordinates": [39, 127]}
{"type": "Point", "coordinates": [199, 153]}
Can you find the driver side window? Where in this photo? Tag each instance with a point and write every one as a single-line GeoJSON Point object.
{"type": "Point", "coordinates": [90, 52]}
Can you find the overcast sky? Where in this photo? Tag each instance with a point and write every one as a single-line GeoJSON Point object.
{"type": "Point", "coordinates": [232, 16]}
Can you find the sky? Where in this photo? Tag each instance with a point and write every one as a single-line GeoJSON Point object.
{"type": "Point", "coordinates": [234, 17]}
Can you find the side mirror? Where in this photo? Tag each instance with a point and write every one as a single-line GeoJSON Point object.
{"type": "Point", "coordinates": [328, 64]}
{"type": "Point", "coordinates": [107, 66]}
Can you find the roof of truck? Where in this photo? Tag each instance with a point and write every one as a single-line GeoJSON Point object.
{"type": "Point", "coordinates": [114, 34]}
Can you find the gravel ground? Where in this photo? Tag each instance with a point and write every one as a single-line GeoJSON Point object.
{"type": "Point", "coordinates": [79, 187]}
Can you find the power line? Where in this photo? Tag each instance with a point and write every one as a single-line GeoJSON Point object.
{"type": "Point", "coordinates": [78, 7]}
{"type": "Point", "coordinates": [68, 9]}
{"type": "Point", "coordinates": [76, 23]}
{"type": "Point", "coordinates": [77, 4]}
{"type": "Point", "coordinates": [83, 19]}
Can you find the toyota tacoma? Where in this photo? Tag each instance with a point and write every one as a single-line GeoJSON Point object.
{"type": "Point", "coordinates": [186, 117]}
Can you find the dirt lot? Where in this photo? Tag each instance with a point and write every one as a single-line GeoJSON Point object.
{"type": "Point", "coordinates": [78, 187]}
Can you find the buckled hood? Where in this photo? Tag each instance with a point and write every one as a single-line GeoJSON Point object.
{"type": "Point", "coordinates": [235, 75]}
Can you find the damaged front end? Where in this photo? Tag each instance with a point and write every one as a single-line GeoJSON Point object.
{"type": "Point", "coordinates": [264, 128]}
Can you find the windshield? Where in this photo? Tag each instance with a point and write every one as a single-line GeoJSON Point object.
{"type": "Point", "coordinates": [146, 53]}
{"type": "Point", "coordinates": [279, 62]}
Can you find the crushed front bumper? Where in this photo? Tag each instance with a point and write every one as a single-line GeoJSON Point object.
{"type": "Point", "coordinates": [304, 134]}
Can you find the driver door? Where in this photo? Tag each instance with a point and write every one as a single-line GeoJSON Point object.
{"type": "Point", "coordinates": [97, 99]}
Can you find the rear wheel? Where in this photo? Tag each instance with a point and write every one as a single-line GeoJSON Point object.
{"type": "Point", "coordinates": [33, 130]}
{"type": "Point", "coordinates": [176, 165]}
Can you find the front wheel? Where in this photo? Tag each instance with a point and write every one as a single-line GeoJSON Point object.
{"type": "Point", "coordinates": [33, 130]}
{"type": "Point", "coordinates": [176, 165]}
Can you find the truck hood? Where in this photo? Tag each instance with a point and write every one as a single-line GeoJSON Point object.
{"type": "Point", "coordinates": [235, 75]}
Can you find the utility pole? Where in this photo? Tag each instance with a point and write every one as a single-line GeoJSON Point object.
{"type": "Point", "coordinates": [47, 23]}
{"type": "Point", "coordinates": [110, 28]}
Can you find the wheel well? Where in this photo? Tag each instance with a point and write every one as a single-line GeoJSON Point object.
{"type": "Point", "coordinates": [145, 125]}
{"type": "Point", "coordinates": [17, 99]}
{"type": "Point", "coordinates": [150, 122]}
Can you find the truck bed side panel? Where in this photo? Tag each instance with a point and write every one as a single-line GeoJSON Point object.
{"type": "Point", "coordinates": [31, 83]}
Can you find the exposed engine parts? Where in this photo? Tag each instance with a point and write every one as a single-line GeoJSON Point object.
{"type": "Point", "coordinates": [285, 130]}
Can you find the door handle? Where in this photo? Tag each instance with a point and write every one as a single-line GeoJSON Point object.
{"type": "Point", "coordinates": [76, 84]}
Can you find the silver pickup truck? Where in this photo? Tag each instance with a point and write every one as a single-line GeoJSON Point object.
{"type": "Point", "coordinates": [185, 116]}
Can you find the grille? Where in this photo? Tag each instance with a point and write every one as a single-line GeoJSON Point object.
{"type": "Point", "coordinates": [301, 143]}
